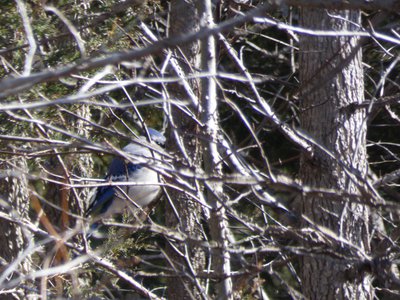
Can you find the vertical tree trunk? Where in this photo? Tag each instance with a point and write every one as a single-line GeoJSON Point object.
{"type": "Point", "coordinates": [186, 213]}
{"type": "Point", "coordinates": [331, 74]}
{"type": "Point", "coordinates": [12, 238]}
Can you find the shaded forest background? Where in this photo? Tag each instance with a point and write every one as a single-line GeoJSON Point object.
{"type": "Point", "coordinates": [73, 92]}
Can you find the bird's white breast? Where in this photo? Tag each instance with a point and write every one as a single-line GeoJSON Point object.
{"type": "Point", "coordinates": [145, 185]}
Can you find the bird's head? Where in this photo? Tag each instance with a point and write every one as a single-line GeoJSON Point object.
{"type": "Point", "coordinates": [157, 137]}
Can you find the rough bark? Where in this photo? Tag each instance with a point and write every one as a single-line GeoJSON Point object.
{"type": "Point", "coordinates": [13, 239]}
{"type": "Point", "coordinates": [185, 215]}
{"type": "Point", "coordinates": [332, 78]}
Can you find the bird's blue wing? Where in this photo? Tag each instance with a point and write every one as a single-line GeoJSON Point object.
{"type": "Point", "coordinates": [120, 168]}
{"type": "Point", "coordinates": [102, 201]}
{"type": "Point", "coordinates": [118, 171]}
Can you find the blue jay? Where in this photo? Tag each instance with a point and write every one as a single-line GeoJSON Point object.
{"type": "Point", "coordinates": [110, 200]}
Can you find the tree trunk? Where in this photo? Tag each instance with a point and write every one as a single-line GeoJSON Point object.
{"type": "Point", "coordinates": [183, 213]}
{"type": "Point", "coordinates": [13, 239]}
{"type": "Point", "coordinates": [331, 75]}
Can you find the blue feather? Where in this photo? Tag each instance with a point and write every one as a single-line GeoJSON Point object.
{"type": "Point", "coordinates": [102, 201]}
{"type": "Point", "coordinates": [109, 200]}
